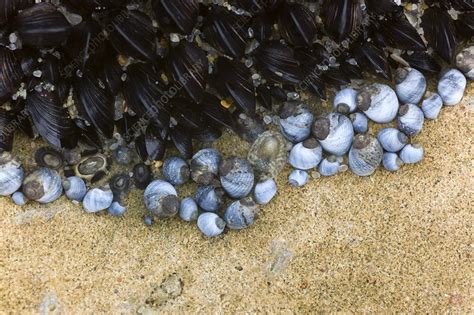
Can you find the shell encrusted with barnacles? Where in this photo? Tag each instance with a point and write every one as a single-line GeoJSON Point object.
{"type": "Point", "coordinates": [139, 85]}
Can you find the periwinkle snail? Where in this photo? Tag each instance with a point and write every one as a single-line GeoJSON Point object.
{"type": "Point", "coordinates": [391, 161]}
{"type": "Point", "coordinates": [410, 119]}
{"type": "Point", "coordinates": [391, 139]}
{"type": "Point", "coordinates": [298, 178]}
{"type": "Point", "coordinates": [360, 122]}
{"type": "Point", "coordinates": [306, 155]}
{"type": "Point", "coordinates": [465, 62]}
{"type": "Point", "coordinates": [295, 121]}
{"type": "Point", "coordinates": [451, 87]}
{"type": "Point", "coordinates": [205, 166]}
{"type": "Point", "coordinates": [411, 85]}
{"type": "Point", "coordinates": [345, 101]}
{"type": "Point", "coordinates": [19, 198]}
{"type": "Point", "coordinates": [188, 210]}
{"type": "Point", "coordinates": [265, 191]}
{"type": "Point", "coordinates": [329, 166]}
{"type": "Point", "coordinates": [240, 214]}
{"type": "Point", "coordinates": [11, 174]}
{"type": "Point", "coordinates": [161, 199]}
{"type": "Point", "coordinates": [43, 185]}
{"type": "Point", "coordinates": [268, 155]}
{"type": "Point", "coordinates": [431, 105]}
{"type": "Point", "coordinates": [209, 198]}
{"type": "Point", "coordinates": [412, 153]}
{"type": "Point", "coordinates": [75, 188]}
{"type": "Point", "coordinates": [97, 199]}
{"type": "Point", "coordinates": [378, 102]}
{"type": "Point", "coordinates": [210, 224]}
{"type": "Point", "coordinates": [176, 170]}
{"type": "Point", "coordinates": [236, 176]}
{"type": "Point", "coordinates": [116, 209]}
{"type": "Point", "coordinates": [365, 155]}
{"type": "Point", "coordinates": [334, 132]}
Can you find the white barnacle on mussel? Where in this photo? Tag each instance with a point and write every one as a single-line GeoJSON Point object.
{"type": "Point", "coordinates": [410, 119]}
{"type": "Point", "coordinates": [360, 122]}
{"type": "Point", "coordinates": [19, 198]}
{"type": "Point", "coordinates": [236, 176]}
{"type": "Point", "coordinates": [379, 102]}
{"type": "Point", "coordinates": [43, 185]}
{"type": "Point", "coordinates": [329, 166]}
{"type": "Point", "coordinates": [345, 101]}
{"type": "Point", "coordinates": [50, 158]}
{"type": "Point", "coordinates": [92, 167]}
{"type": "Point", "coordinates": [210, 198]}
{"type": "Point", "coordinates": [412, 153]}
{"type": "Point", "coordinates": [391, 139]}
{"type": "Point", "coordinates": [334, 132]}
{"type": "Point", "coordinates": [391, 162]}
{"type": "Point", "coordinates": [188, 210]}
{"type": "Point", "coordinates": [298, 178]}
{"type": "Point", "coordinates": [465, 61]}
{"type": "Point", "coordinates": [161, 199]}
{"type": "Point", "coordinates": [210, 224]}
{"type": "Point", "coordinates": [295, 121]}
{"type": "Point", "coordinates": [98, 199]}
{"type": "Point", "coordinates": [116, 209]}
{"type": "Point", "coordinates": [306, 155]}
{"type": "Point", "coordinates": [205, 166]}
{"type": "Point", "coordinates": [240, 214]}
{"type": "Point", "coordinates": [431, 105]}
{"type": "Point", "coordinates": [176, 170]}
{"type": "Point", "coordinates": [451, 86]}
{"type": "Point", "coordinates": [365, 155]}
{"type": "Point", "coordinates": [265, 191]}
{"type": "Point", "coordinates": [268, 155]}
{"type": "Point", "coordinates": [11, 174]}
{"type": "Point", "coordinates": [75, 188]}
{"type": "Point", "coordinates": [411, 85]}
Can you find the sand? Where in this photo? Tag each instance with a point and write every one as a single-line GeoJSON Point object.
{"type": "Point", "coordinates": [398, 242]}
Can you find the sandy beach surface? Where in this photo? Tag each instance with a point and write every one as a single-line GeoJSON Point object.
{"type": "Point", "coordinates": [399, 242]}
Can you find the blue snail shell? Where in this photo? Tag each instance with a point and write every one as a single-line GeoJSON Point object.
{"type": "Point", "coordinates": [391, 161]}
{"type": "Point", "coordinates": [176, 170]}
{"type": "Point", "coordinates": [237, 177]}
{"type": "Point", "coordinates": [75, 188]}
{"type": "Point", "coordinates": [11, 174]}
{"type": "Point", "coordinates": [365, 155]}
{"type": "Point", "coordinates": [306, 155]}
{"type": "Point", "coordinates": [43, 185]}
{"type": "Point", "coordinates": [265, 191]}
{"type": "Point", "coordinates": [298, 178]}
{"type": "Point", "coordinates": [451, 87]}
{"type": "Point", "coordinates": [295, 121]}
{"type": "Point", "coordinates": [210, 224]}
{"type": "Point", "coordinates": [19, 198]}
{"type": "Point", "coordinates": [97, 199]}
{"type": "Point", "coordinates": [412, 153]}
{"type": "Point", "coordinates": [360, 122]}
{"type": "Point", "coordinates": [210, 198]}
{"type": "Point", "coordinates": [329, 166]}
{"type": "Point", "coordinates": [345, 101]}
{"type": "Point", "coordinates": [391, 139]}
{"type": "Point", "coordinates": [116, 209]}
{"type": "Point", "coordinates": [205, 166]}
{"type": "Point", "coordinates": [188, 210]}
{"type": "Point", "coordinates": [411, 85]}
{"type": "Point", "coordinates": [411, 119]}
{"type": "Point", "coordinates": [379, 102]}
{"type": "Point", "coordinates": [431, 106]}
{"type": "Point", "coordinates": [240, 214]}
{"type": "Point", "coordinates": [161, 199]}
{"type": "Point", "coordinates": [334, 132]}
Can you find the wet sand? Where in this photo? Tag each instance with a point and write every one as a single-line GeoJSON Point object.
{"type": "Point", "coordinates": [398, 242]}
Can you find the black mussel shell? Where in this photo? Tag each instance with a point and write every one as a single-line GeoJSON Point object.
{"type": "Point", "coordinates": [279, 92]}
{"type": "Point", "coordinates": [465, 24]}
{"type": "Point", "coordinates": [180, 14]}
{"type": "Point", "coordinates": [140, 147]}
{"type": "Point", "coordinates": [182, 140]}
{"type": "Point", "coordinates": [86, 40]}
{"type": "Point", "coordinates": [313, 56]}
{"type": "Point", "coordinates": [297, 24]}
{"type": "Point", "coordinates": [155, 147]}
{"type": "Point", "coordinates": [51, 119]}
{"type": "Point", "coordinates": [278, 63]}
{"type": "Point", "coordinates": [422, 61]}
{"type": "Point", "coordinates": [336, 77]}
{"type": "Point", "coordinates": [313, 82]}
{"type": "Point", "coordinates": [92, 5]}
{"type": "Point", "coordinates": [188, 65]}
{"type": "Point", "coordinates": [51, 69]}
{"type": "Point", "coordinates": [144, 92]}
{"type": "Point", "coordinates": [10, 8]}
{"type": "Point", "coordinates": [7, 130]}
{"type": "Point", "coordinates": [264, 96]}
{"type": "Point", "coordinates": [42, 26]}
{"type": "Point", "coordinates": [235, 79]}
{"type": "Point", "coordinates": [50, 158]}
{"type": "Point", "coordinates": [259, 6]}
{"type": "Point", "coordinates": [352, 71]}
{"type": "Point", "coordinates": [463, 5]}
{"type": "Point", "coordinates": [127, 126]}
{"type": "Point", "coordinates": [120, 185]}
{"type": "Point", "coordinates": [11, 73]}
{"type": "Point", "coordinates": [208, 134]}
{"type": "Point", "coordinates": [373, 58]}
{"type": "Point", "coordinates": [262, 27]}
{"type": "Point", "coordinates": [249, 128]}
{"type": "Point", "coordinates": [439, 32]}
{"type": "Point", "coordinates": [341, 17]}
{"type": "Point", "coordinates": [88, 135]}
{"type": "Point", "coordinates": [131, 33]}
{"type": "Point", "coordinates": [399, 33]}
{"type": "Point", "coordinates": [381, 6]}
{"type": "Point", "coordinates": [142, 175]}
{"type": "Point", "coordinates": [226, 31]}
{"type": "Point", "coordinates": [212, 109]}
{"type": "Point", "coordinates": [95, 102]}
{"type": "Point", "coordinates": [111, 75]}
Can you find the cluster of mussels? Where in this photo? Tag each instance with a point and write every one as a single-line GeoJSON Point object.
{"type": "Point", "coordinates": [129, 79]}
